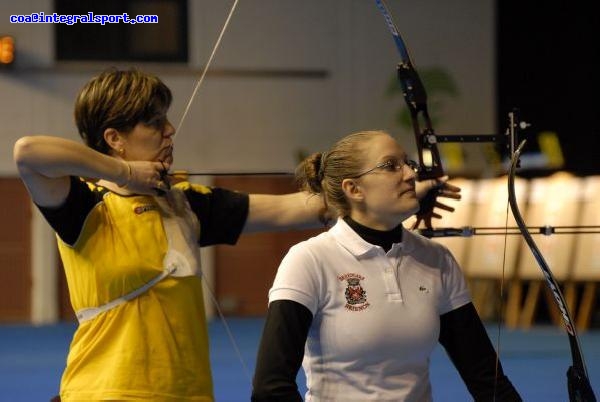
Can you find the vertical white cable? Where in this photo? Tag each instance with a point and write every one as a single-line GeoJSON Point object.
{"type": "Point", "coordinates": [207, 66]}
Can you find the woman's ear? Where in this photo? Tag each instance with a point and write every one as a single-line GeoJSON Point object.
{"type": "Point", "coordinates": [352, 190]}
{"type": "Point", "coordinates": [115, 141]}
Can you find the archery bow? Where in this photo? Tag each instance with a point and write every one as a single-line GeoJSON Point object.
{"type": "Point", "coordinates": [416, 99]}
{"type": "Point", "coordinates": [415, 96]}
{"type": "Point", "coordinates": [578, 382]}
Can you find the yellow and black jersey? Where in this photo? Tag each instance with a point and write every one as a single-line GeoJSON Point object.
{"type": "Point", "coordinates": [154, 346]}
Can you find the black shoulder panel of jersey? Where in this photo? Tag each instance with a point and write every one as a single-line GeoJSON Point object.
{"type": "Point", "coordinates": [68, 219]}
{"type": "Point", "coordinates": [222, 214]}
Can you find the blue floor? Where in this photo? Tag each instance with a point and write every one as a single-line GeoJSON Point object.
{"type": "Point", "coordinates": [32, 358]}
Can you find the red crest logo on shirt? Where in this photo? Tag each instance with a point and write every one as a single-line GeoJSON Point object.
{"type": "Point", "coordinates": [356, 296]}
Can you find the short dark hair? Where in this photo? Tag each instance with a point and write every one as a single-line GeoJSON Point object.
{"type": "Point", "coordinates": [118, 99]}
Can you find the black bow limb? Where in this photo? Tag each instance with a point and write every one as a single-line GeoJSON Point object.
{"type": "Point", "coordinates": [578, 383]}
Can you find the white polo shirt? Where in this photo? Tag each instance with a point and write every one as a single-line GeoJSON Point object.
{"type": "Point", "coordinates": [376, 315]}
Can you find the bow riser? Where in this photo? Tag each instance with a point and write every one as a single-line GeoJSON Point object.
{"type": "Point", "coordinates": [415, 96]}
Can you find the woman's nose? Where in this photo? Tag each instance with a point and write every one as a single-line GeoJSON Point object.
{"type": "Point", "coordinates": [169, 130]}
{"type": "Point", "coordinates": [408, 172]}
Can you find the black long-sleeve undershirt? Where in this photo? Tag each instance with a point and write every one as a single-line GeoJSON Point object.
{"type": "Point", "coordinates": [461, 333]}
{"type": "Point", "coordinates": [281, 352]}
{"type": "Point", "coordinates": [465, 339]}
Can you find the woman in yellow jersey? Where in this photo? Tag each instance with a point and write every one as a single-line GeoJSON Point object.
{"type": "Point", "coordinates": [128, 239]}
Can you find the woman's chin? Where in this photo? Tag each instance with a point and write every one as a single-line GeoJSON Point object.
{"type": "Point", "coordinates": [167, 159]}
{"type": "Point", "coordinates": [414, 207]}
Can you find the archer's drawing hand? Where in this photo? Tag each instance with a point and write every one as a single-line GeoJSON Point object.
{"type": "Point", "coordinates": [146, 178]}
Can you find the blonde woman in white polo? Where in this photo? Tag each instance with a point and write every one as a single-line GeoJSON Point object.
{"type": "Point", "coordinates": [362, 305]}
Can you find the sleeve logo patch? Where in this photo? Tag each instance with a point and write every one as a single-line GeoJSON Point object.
{"type": "Point", "coordinates": [140, 209]}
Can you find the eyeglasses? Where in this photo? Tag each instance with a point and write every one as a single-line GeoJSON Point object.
{"type": "Point", "coordinates": [392, 165]}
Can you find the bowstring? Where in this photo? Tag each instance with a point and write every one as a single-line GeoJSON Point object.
{"type": "Point", "coordinates": [501, 297]}
{"type": "Point", "coordinates": [206, 283]}
{"type": "Point", "coordinates": [207, 66]}
{"type": "Point", "coordinates": [238, 352]}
